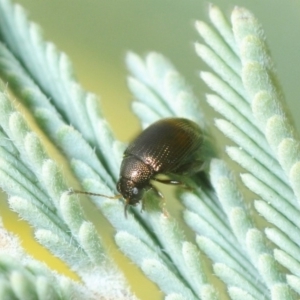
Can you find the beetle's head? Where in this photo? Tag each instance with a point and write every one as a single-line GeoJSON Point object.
{"type": "Point", "coordinates": [130, 190]}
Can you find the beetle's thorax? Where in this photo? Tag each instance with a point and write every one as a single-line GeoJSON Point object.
{"type": "Point", "coordinates": [136, 170]}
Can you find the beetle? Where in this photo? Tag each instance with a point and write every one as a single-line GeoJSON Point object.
{"type": "Point", "coordinates": [170, 146]}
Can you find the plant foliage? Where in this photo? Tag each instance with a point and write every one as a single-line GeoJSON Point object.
{"type": "Point", "coordinates": [231, 257]}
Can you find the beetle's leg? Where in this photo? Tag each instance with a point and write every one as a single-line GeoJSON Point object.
{"type": "Point", "coordinates": [172, 182]}
{"type": "Point", "coordinates": [168, 181]}
{"type": "Point", "coordinates": [126, 207]}
{"type": "Point", "coordinates": [157, 192]}
{"type": "Point", "coordinates": [160, 195]}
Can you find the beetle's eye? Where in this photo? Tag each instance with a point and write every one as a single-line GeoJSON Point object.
{"type": "Point", "coordinates": [135, 191]}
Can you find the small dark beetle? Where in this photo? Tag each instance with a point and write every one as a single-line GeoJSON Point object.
{"type": "Point", "coordinates": [168, 146]}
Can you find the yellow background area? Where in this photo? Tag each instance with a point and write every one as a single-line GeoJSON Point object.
{"type": "Point", "coordinates": [96, 34]}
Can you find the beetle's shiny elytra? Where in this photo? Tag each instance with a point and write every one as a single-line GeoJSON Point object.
{"type": "Point", "coordinates": [168, 146]}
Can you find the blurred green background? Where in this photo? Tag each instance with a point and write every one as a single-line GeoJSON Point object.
{"type": "Point", "coordinates": [96, 34]}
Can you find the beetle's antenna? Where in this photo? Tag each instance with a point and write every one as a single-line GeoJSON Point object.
{"type": "Point", "coordinates": [72, 192]}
